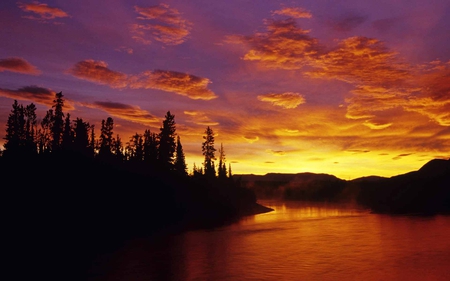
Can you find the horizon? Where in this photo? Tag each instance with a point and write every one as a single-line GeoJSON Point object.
{"type": "Point", "coordinates": [348, 89]}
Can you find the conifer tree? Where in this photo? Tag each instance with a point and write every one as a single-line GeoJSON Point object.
{"type": "Point", "coordinates": [106, 138]}
{"type": "Point", "coordinates": [209, 153]}
{"type": "Point", "coordinates": [57, 121]}
{"type": "Point", "coordinates": [180, 161]}
{"type": "Point", "coordinates": [118, 148]}
{"type": "Point", "coordinates": [222, 173]}
{"type": "Point", "coordinates": [15, 130]}
{"type": "Point", "coordinates": [81, 137]}
{"type": "Point", "coordinates": [30, 129]}
{"type": "Point", "coordinates": [167, 144]}
{"type": "Point", "coordinates": [150, 147]}
{"type": "Point", "coordinates": [68, 135]}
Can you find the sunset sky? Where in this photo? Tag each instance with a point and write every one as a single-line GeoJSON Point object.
{"type": "Point", "coordinates": [351, 88]}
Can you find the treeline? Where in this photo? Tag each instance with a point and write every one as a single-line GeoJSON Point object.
{"type": "Point", "coordinates": [59, 135]}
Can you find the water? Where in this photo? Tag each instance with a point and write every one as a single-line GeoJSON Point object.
{"type": "Point", "coordinates": [297, 241]}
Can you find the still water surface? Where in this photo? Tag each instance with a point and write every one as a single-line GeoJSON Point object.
{"type": "Point", "coordinates": [297, 241]}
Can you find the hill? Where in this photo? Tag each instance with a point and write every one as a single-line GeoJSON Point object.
{"type": "Point", "coordinates": [425, 191]}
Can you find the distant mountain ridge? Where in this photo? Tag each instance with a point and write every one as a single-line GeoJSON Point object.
{"type": "Point", "coordinates": [426, 190]}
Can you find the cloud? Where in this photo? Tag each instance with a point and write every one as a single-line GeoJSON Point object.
{"type": "Point", "coordinates": [125, 49]}
{"type": "Point", "coordinates": [361, 61]}
{"type": "Point", "coordinates": [294, 12]}
{"type": "Point", "coordinates": [98, 72]}
{"type": "Point", "coordinates": [382, 80]}
{"type": "Point", "coordinates": [376, 126]}
{"type": "Point", "coordinates": [200, 118]}
{"type": "Point", "coordinates": [283, 46]}
{"type": "Point", "coordinates": [42, 11]}
{"type": "Point", "coordinates": [184, 84]}
{"type": "Point", "coordinates": [401, 155]}
{"type": "Point", "coordinates": [276, 152]}
{"type": "Point", "coordinates": [18, 65]}
{"type": "Point", "coordinates": [167, 25]}
{"type": "Point", "coordinates": [348, 22]}
{"type": "Point", "coordinates": [126, 112]}
{"type": "Point", "coordinates": [286, 100]}
{"type": "Point", "coordinates": [35, 94]}
{"type": "Point", "coordinates": [251, 139]}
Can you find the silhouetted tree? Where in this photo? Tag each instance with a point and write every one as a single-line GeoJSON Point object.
{"type": "Point", "coordinates": [222, 173]}
{"type": "Point", "coordinates": [150, 147]}
{"type": "Point", "coordinates": [81, 137]}
{"type": "Point", "coordinates": [68, 135]}
{"type": "Point", "coordinates": [45, 133]}
{"type": "Point", "coordinates": [92, 146]}
{"type": "Point", "coordinates": [20, 130]}
{"type": "Point", "coordinates": [118, 149]}
{"type": "Point", "coordinates": [57, 121]}
{"type": "Point", "coordinates": [30, 129]}
{"type": "Point", "coordinates": [167, 143]}
{"type": "Point", "coordinates": [180, 161]}
{"type": "Point", "coordinates": [106, 138]}
{"type": "Point", "coordinates": [135, 148]}
{"type": "Point", "coordinates": [230, 175]}
{"type": "Point", "coordinates": [15, 130]}
{"type": "Point", "coordinates": [209, 152]}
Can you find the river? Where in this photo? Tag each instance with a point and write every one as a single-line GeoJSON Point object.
{"type": "Point", "coordinates": [296, 241]}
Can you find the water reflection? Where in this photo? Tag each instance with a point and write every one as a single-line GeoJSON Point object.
{"type": "Point", "coordinates": [296, 241]}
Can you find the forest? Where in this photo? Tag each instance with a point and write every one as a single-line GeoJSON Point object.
{"type": "Point", "coordinates": [61, 183]}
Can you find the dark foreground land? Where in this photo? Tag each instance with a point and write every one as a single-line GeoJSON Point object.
{"type": "Point", "coordinates": [58, 213]}
{"type": "Point", "coordinates": [426, 191]}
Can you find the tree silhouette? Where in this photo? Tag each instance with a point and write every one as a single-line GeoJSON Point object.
{"type": "Point", "coordinates": [15, 130]}
{"type": "Point", "coordinates": [150, 147]}
{"type": "Point", "coordinates": [167, 143]}
{"type": "Point", "coordinates": [20, 130]}
{"type": "Point", "coordinates": [81, 137]}
{"type": "Point", "coordinates": [135, 148]}
{"type": "Point", "coordinates": [209, 152]}
{"type": "Point", "coordinates": [118, 149]}
{"type": "Point", "coordinates": [106, 139]}
{"type": "Point", "coordinates": [222, 173]}
{"type": "Point", "coordinates": [180, 161]}
{"type": "Point", "coordinates": [92, 144]}
{"type": "Point", "coordinates": [68, 135]}
{"type": "Point", "coordinates": [30, 129]}
{"type": "Point", "coordinates": [45, 133]}
{"type": "Point", "coordinates": [57, 121]}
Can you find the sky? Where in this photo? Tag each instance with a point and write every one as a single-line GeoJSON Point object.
{"type": "Point", "coordinates": [351, 88]}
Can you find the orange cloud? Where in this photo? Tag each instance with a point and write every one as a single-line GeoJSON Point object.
{"type": "Point", "coordinates": [183, 84]}
{"type": "Point", "coordinates": [286, 100]}
{"type": "Point", "coordinates": [35, 94]}
{"type": "Point", "coordinates": [200, 118]}
{"type": "Point", "coordinates": [43, 11]}
{"type": "Point", "coordinates": [294, 12]}
{"type": "Point", "coordinates": [18, 65]}
{"type": "Point", "coordinates": [283, 46]}
{"type": "Point", "coordinates": [167, 25]}
{"type": "Point", "coordinates": [126, 112]}
{"type": "Point", "coordinates": [98, 72]}
{"type": "Point", "coordinates": [361, 61]}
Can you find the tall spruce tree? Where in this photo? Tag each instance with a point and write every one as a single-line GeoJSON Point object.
{"type": "Point", "coordinates": [180, 161]}
{"type": "Point", "coordinates": [150, 147]}
{"type": "Point", "coordinates": [209, 153]}
{"type": "Point", "coordinates": [58, 122]}
{"type": "Point", "coordinates": [167, 144]}
{"type": "Point", "coordinates": [222, 173]}
{"type": "Point", "coordinates": [106, 138]}
{"type": "Point", "coordinates": [15, 130]}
